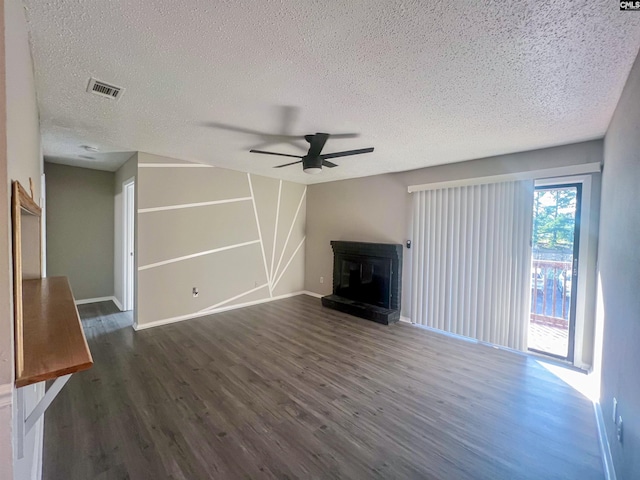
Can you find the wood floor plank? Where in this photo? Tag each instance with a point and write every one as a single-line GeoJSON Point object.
{"type": "Point", "coordinates": [291, 390]}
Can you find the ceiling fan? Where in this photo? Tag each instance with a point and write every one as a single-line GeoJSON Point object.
{"type": "Point", "coordinates": [314, 160]}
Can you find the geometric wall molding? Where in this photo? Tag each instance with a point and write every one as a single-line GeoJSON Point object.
{"type": "Point", "coordinates": [238, 238]}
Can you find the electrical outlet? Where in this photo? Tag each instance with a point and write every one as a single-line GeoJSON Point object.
{"type": "Point", "coordinates": [321, 279]}
{"type": "Point", "coordinates": [255, 284]}
{"type": "Point", "coordinates": [615, 410]}
{"type": "Point", "coordinates": [195, 292]}
{"type": "Point", "coordinates": [619, 430]}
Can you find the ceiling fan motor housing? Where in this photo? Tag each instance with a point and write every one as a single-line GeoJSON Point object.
{"type": "Point", "coordinates": [314, 160]}
{"type": "Point", "coordinates": [311, 165]}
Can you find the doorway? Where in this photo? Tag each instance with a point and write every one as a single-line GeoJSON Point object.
{"type": "Point", "coordinates": [128, 189]}
{"type": "Point", "coordinates": [554, 269]}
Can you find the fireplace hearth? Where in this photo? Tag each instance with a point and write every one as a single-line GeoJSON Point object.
{"type": "Point", "coordinates": [367, 280]}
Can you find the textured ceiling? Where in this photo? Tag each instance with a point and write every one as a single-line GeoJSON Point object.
{"type": "Point", "coordinates": [424, 83]}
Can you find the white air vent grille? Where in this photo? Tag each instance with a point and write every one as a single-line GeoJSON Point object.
{"type": "Point", "coordinates": [104, 89]}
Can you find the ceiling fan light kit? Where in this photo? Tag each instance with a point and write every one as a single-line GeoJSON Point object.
{"type": "Point", "coordinates": [314, 160]}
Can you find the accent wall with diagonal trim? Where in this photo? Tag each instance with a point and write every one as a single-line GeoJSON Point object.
{"type": "Point", "coordinates": [237, 238]}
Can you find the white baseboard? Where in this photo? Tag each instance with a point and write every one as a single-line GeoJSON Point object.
{"type": "Point", "coordinates": [181, 318]}
{"type": "Point", "coordinates": [605, 450]}
{"type": "Point", "coordinates": [405, 319]}
{"type": "Point", "coordinates": [96, 300]}
{"type": "Point", "coordinates": [311, 294]}
{"type": "Point", "coordinates": [189, 316]}
{"type": "Point", "coordinates": [115, 300]}
{"type": "Point", "coordinates": [6, 394]}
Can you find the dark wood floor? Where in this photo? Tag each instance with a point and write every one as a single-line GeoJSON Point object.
{"type": "Point", "coordinates": [292, 390]}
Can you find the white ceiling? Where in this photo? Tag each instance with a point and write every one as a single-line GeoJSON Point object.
{"type": "Point", "coordinates": [424, 83]}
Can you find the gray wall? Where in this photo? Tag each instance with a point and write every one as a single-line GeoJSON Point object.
{"type": "Point", "coordinates": [175, 244]}
{"type": "Point", "coordinates": [619, 260]}
{"type": "Point", "coordinates": [80, 228]}
{"type": "Point", "coordinates": [21, 160]}
{"type": "Point", "coordinates": [378, 209]}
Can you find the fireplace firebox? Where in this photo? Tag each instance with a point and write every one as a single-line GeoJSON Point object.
{"type": "Point", "coordinates": [367, 280]}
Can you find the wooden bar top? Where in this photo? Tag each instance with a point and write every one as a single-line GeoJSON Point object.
{"type": "Point", "coordinates": [54, 343]}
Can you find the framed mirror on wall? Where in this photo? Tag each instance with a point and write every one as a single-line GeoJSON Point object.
{"type": "Point", "coordinates": [26, 218]}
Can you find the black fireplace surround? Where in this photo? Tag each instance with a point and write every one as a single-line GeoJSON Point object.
{"type": "Point", "coordinates": [367, 280]}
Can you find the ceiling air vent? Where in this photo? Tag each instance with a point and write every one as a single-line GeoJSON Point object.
{"type": "Point", "coordinates": [104, 89]}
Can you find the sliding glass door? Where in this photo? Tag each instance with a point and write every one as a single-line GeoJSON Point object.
{"type": "Point", "coordinates": [554, 269]}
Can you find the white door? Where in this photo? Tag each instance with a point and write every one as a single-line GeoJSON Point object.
{"type": "Point", "coordinates": [129, 229]}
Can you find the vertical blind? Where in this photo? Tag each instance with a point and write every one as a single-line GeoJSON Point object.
{"type": "Point", "coordinates": [472, 261]}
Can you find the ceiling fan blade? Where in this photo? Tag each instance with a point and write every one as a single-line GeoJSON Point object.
{"type": "Point", "coordinates": [345, 135]}
{"type": "Point", "coordinates": [276, 137]}
{"type": "Point", "coordinates": [289, 117]}
{"type": "Point", "coordinates": [317, 144]}
{"type": "Point", "coordinates": [271, 142]}
{"type": "Point", "coordinates": [233, 128]}
{"type": "Point", "coordinates": [328, 164]}
{"type": "Point", "coordinates": [346, 153]}
{"type": "Point", "coordinates": [287, 164]}
{"type": "Point", "coordinates": [274, 153]}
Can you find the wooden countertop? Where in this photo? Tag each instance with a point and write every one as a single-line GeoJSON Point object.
{"type": "Point", "coordinates": [53, 343]}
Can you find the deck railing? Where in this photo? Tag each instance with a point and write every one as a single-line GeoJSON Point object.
{"type": "Point", "coordinates": [550, 292]}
